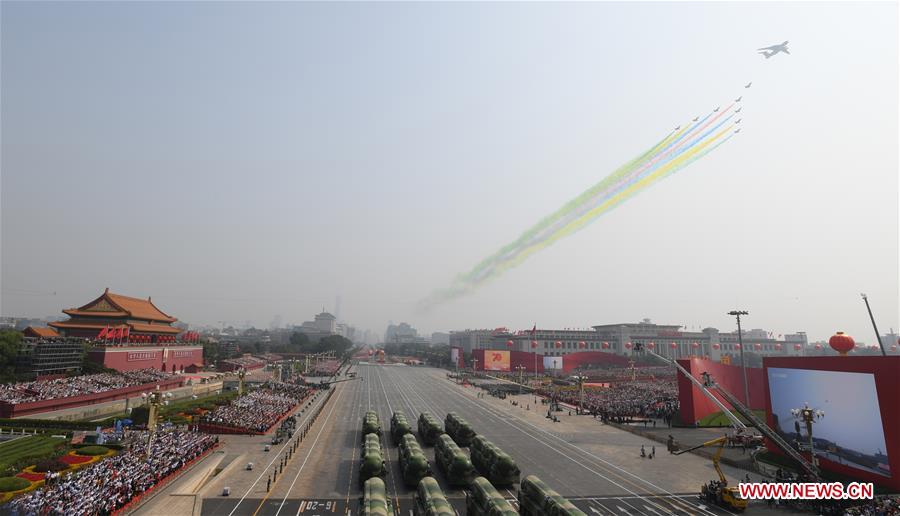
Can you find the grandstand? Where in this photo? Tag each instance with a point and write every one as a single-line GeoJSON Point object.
{"type": "Point", "coordinates": [25, 398]}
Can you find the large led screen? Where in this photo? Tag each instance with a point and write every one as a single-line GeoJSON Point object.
{"type": "Point", "coordinates": [850, 432]}
{"type": "Point", "coordinates": [496, 361]}
{"type": "Point", "coordinates": [553, 363]}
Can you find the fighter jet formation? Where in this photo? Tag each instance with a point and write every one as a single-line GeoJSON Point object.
{"type": "Point", "coordinates": [768, 52]}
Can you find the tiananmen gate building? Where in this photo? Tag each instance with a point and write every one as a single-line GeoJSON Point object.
{"type": "Point", "coordinates": [146, 338]}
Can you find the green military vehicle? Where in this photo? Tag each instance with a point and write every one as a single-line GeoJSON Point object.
{"type": "Point", "coordinates": [399, 427]}
{"type": "Point", "coordinates": [459, 429]}
{"type": "Point", "coordinates": [374, 501]}
{"type": "Point", "coordinates": [483, 499]}
{"type": "Point", "coordinates": [493, 463]}
{"type": "Point", "coordinates": [413, 462]}
{"type": "Point", "coordinates": [371, 424]}
{"type": "Point", "coordinates": [537, 499]}
{"type": "Point", "coordinates": [430, 500]}
{"type": "Point", "coordinates": [371, 459]}
{"type": "Point", "coordinates": [429, 428]}
{"type": "Point", "coordinates": [453, 462]}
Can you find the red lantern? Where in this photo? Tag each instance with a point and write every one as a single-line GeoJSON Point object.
{"type": "Point", "coordinates": [695, 345]}
{"type": "Point", "coordinates": [651, 345]}
{"type": "Point", "coordinates": [841, 342]}
{"type": "Point", "coordinates": [673, 345]}
{"type": "Point", "coordinates": [894, 348]}
{"type": "Point", "coordinates": [716, 345]}
{"type": "Point", "coordinates": [757, 346]}
{"type": "Point", "coordinates": [818, 347]}
{"type": "Point", "coordinates": [581, 345]}
{"type": "Point", "coordinates": [798, 347]}
{"type": "Point", "coordinates": [606, 345]}
{"type": "Point", "coordinates": [737, 346]}
{"type": "Point", "coordinates": [558, 344]}
{"type": "Point", "coordinates": [777, 347]}
{"type": "Point", "coordinates": [533, 344]}
{"type": "Point", "coordinates": [509, 343]}
{"type": "Point", "coordinates": [627, 345]}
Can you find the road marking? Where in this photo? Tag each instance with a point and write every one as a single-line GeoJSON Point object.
{"type": "Point", "coordinates": [311, 448]}
{"type": "Point", "coordinates": [357, 406]}
{"type": "Point", "coordinates": [267, 467]}
{"type": "Point", "coordinates": [386, 450]}
{"type": "Point", "coordinates": [545, 432]}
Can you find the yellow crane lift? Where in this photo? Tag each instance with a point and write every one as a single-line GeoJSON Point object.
{"type": "Point", "coordinates": [719, 492]}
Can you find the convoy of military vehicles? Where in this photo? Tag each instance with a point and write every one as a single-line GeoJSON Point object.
{"type": "Point", "coordinates": [488, 467]}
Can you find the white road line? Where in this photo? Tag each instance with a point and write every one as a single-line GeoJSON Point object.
{"type": "Point", "coordinates": [354, 413]}
{"type": "Point", "coordinates": [283, 447]}
{"type": "Point", "coordinates": [390, 473]}
{"type": "Point", "coordinates": [311, 448]}
{"type": "Point", "coordinates": [542, 431]}
{"type": "Point", "coordinates": [558, 450]}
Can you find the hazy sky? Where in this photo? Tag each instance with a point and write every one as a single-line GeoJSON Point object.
{"type": "Point", "coordinates": [237, 161]}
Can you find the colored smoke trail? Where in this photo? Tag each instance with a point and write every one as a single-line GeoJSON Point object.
{"type": "Point", "coordinates": [674, 152]}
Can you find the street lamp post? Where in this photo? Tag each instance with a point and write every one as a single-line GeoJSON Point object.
{"type": "Point", "coordinates": [738, 314]}
{"type": "Point", "coordinates": [155, 399]}
{"type": "Point", "coordinates": [521, 370]}
{"type": "Point", "coordinates": [808, 416]}
{"type": "Point", "coordinates": [580, 379]}
{"type": "Point", "coordinates": [241, 373]}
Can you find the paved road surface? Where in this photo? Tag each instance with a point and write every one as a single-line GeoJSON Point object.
{"type": "Point", "coordinates": [596, 466]}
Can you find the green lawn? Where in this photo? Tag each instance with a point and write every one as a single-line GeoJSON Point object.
{"type": "Point", "coordinates": [29, 447]}
{"type": "Point", "coordinates": [720, 419]}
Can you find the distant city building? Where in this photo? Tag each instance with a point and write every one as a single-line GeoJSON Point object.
{"type": "Point", "coordinates": [890, 339]}
{"type": "Point", "coordinates": [400, 333]}
{"type": "Point", "coordinates": [622, 338]}
{"type": "Point", "coordinates": [347, 331]}
{"type": "Point", "coordinates": [471, 339]}
{"type": "Point", "coordinates": [228, 348]}
{"type": "Point", "coordinates": [324, 325]}
{"type": "Point", "coordinates": [440, 338]}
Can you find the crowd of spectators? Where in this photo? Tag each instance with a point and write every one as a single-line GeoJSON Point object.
{"type": "Point", "coordinates": [246, 362]}
{"type": "Point", "coordinates": [260, 409]}
{"type": "Point", "coordinates": [881, 506]}
{"type": "Point", "coordinates": [624, 400]}
{"type": "Point", "coordinates": [110, 484]}
{"type": "Point", "coordinates": [325, 368]}
{"type": "Point", "coordinates": [618, 374]}
{"type": "Point", "coordinates": [25, 392]}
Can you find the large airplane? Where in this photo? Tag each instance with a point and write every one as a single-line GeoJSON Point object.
{"type": "Point", "coordinates": [774, 49]}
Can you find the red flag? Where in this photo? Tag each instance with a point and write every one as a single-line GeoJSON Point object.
{"type": "Point", "coordinates": [127, 333]}
{"type": "Point", "coordinates": [118, 334]}
{"type": "Point", "coordinates": [103, 333]}
{"type": "Point", "coordinates": [533, 330]}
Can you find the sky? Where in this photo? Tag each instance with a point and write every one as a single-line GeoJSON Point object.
{"type": "Point", "coordinates": [242, 160]}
